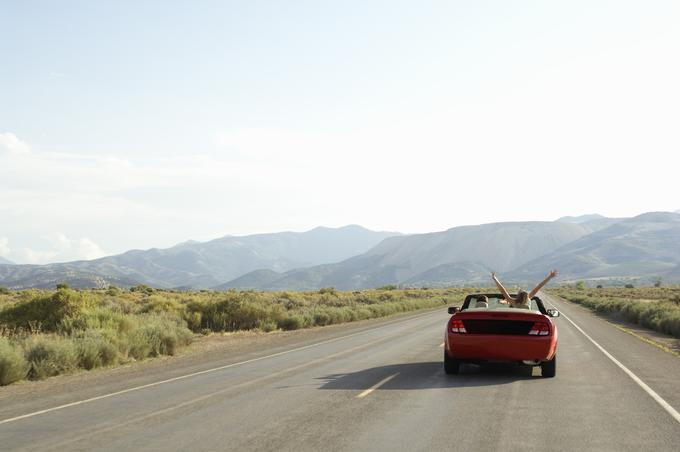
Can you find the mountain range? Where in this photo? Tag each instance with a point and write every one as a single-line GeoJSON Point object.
{"type": "Point", "coordinates": [588, 247]}
{"type": "Point", "coordinates": [201, 264]}
{"type": "Point", "coordinates": [456, 256]}
{"type": "Point", "coordinates": [646, 245]}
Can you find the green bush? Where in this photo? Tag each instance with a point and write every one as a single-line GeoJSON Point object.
{"type": "Point", "coordinates": [95, 350]}
{"type": "Point", "coordinates": [236, 313]}
{"type": "Point", "coordinates": [49, 356]}
{"type": "Point", "coordinates": [143, 288]}
{"type": "Point", "coordinates": [388, 287]}
{"type": "Point", "coordinates": [45, 311]}
{"type": "Point", "coordinates": [157, 335]}
{"type": "Point", "coordinates": [13, 365]}
{"type": "Point", "coordinates": [97, 318]}
{"type": "Point", "coordinates": [291, 322]}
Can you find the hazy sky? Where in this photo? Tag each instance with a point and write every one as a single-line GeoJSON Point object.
{"type": "Point", "coordinates": [139, 124]}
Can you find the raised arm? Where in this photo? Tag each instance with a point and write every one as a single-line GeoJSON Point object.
{"type": "Point", "coordinates": [535, 290]}
{"type": "Point", "coordinates": [505, 293]}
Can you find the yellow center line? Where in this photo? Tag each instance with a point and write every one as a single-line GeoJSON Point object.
{"type": "Point", "coordinates": [376, 386]}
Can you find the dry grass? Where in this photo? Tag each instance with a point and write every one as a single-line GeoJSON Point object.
{"type": "Point", "coordinates": [47, 333]}
{"type": "Point", "coordinates": [656, 308]}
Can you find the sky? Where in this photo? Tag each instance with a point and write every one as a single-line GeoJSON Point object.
{"type": "Point", "coordinates": [143, 124]}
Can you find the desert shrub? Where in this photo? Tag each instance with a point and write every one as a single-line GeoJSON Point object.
{"type": "Point", "coordinates": [95, 350]}
{"type": "Point", "coordinates": [237, 313]}
{"type": "Point", "coordinates": [157, 335]}
{"type": "Point", "coordinates": [13, 365]}
{"type": "Point", "coordinates": [4, 290]}
{"type": "Point", "coordinates": [388, 287]}
{"type": "Point", "coordinates": [97, 318]}
{"type": "Point", "coordinates": [48, 356]}
{"type": "Point", "coordinates": [328, 290]}
{"type": "Point", "coordinates": [193, 319]}
{"type": "Point", "coordinates": [322, 318]}
{"type": "Point", "coordinates": [386, 296]}
{"type": "Point", "coordinates": [46, 310]}
{"type": "Point", "coordinates": [291, 322]}
{"type": "Point", "coordinates": [629, 286]}
{"type": "Point", "coordinates": [113, 291]}
{"type": "Point", "coordinates": [142, 288]}
{"type": "Point", "coordinates": [157, 303]}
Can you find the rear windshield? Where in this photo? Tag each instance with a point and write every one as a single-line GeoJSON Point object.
{"type": "Point", "coordinates": [494, 303]}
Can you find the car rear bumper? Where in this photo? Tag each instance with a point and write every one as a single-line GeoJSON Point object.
{"type": "Point", "coordinates": [482, 347]}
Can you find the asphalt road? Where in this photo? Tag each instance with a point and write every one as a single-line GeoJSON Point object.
{"type": "Point", "coordinates": [377, 386]}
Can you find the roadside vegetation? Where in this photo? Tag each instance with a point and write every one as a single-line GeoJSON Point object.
{"type": "Point", "coordinates": [656, 308]}
{"type": "Point", "coordinates": [51, 332]}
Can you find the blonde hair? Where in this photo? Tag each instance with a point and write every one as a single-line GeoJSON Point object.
{"type": "Point", "coordinates": [522, 298]}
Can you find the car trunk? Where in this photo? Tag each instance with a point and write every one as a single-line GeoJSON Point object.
{"type": "Point", "coordinates": [498, 326]}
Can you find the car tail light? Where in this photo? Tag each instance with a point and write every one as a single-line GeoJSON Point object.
{"type": "Point", "coordinates": [540, 329]}
{"type": "Point", "coordinates": [457, 326]}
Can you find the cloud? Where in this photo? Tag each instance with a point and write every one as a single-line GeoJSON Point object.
{"type": "Point", "coordinates": [61, 249]}
{"type": "Point", "coordinates": [10, 144]}
{"type": "Point", "coordinates": [4, 248]}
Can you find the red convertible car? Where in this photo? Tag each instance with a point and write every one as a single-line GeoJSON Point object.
{"type": "Point", "coordinates": [486, 330]}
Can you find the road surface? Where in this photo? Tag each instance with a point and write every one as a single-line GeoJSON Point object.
{"type": "Point", "coordinates": [373, 387]}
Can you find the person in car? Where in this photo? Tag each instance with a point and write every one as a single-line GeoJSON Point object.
{"type": "Point", "coordinates": [482, 301]}
{"type": "Point", "coordinates": [523, 298]}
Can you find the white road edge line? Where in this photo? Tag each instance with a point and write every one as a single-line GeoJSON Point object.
{"type": "Point", "coordinates": [665, 405]}
{"type": "Point", "coordinates": [182, 377]}
{"type": "Point", "coordinates": [376, 386]}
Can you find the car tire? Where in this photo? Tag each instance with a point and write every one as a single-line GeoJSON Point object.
{"type": "Point", "coordinates": [451, 365]}
{"type": "Point", "coordinates": [549, 368]}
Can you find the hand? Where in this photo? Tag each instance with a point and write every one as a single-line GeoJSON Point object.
{"type": "Point", "coordinates": [552, 274]}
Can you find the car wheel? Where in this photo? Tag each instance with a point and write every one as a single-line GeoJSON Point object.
{"type": "Point", "coordinates": [451, 365]}
{"type": "Point", "coordinates": [548, 368]}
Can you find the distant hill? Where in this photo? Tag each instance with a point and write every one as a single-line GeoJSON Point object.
{"type": "Point", "coordinates": [644, 246]}
{"type": "Point", "coordinates": [48, 276]}
{"type": "Point", "coordinates": [456, 274]}
{"type": "Point", "coordinates": [201, 265]}
{"type": "Point", "coordinates": [5, 261]}
{"type": "Point", "coordinates": [592, 222]}
{"type": "Point", "coordinates": [459, 255]}
{"type": "Point", "coordinates": [582, 218]}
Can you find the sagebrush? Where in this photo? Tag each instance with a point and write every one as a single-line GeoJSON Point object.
{"type": "Point", "coordinates": [46, 333]}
